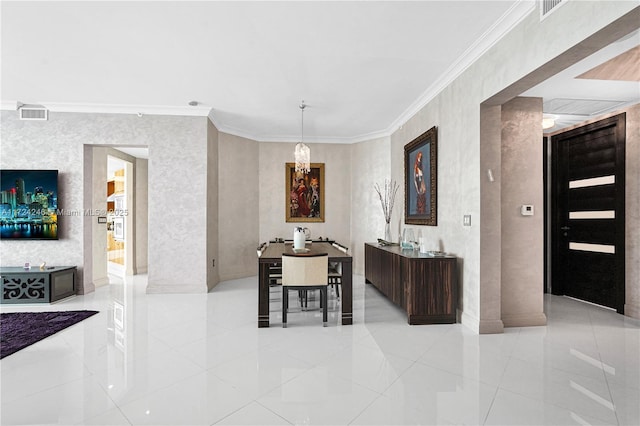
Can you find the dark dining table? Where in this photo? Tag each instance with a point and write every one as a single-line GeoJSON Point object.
{"type": "Point", "coordinates": [272, 257]}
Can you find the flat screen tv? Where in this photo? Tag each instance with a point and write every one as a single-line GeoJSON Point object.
{"type": "Point", "coordinates": [29, 204]}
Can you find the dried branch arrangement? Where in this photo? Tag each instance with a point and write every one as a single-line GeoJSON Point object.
{"type": "Point", "coordinates": [387, 197]}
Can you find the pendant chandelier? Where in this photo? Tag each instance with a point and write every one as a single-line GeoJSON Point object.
{"type": "Point", "coordinates": [302, 153]}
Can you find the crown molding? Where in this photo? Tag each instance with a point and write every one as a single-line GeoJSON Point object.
{"type": "Point", "coordinates": [9, 105]}
{"type": "Point", "coordinates": [324, 139]}
{"type": "Point", "coordinates": [495, 33]}
{"type": "Point", "coordinates": [198, 111]}
{"type": "Point", "coordinates": [506, 23]}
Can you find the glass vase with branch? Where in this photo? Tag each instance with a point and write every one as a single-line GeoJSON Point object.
{"type": "Point", "coordinates": [387, 198]}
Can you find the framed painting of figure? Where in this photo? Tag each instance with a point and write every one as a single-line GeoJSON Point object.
{"type": "Point", "coordinates": [420, 179]}
{"type": "Point", "coordinates": [304, 194]}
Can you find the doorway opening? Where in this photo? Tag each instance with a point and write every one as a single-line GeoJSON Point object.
{"type": "Point", "coordinates": [587, 221]}
{"type": "Point", "coordinates": [563, 95]}
{"type": "Point", "coordinates": [119, 189]}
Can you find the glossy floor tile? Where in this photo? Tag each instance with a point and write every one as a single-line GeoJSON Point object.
{"type": "Point", "coordinates": [201, 360]}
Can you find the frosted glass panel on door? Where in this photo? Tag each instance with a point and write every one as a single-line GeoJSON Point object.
{"type": "Point", "coordinates": [598, 248]}
{"type": "Point", "coordinates": [602, 214]}
{"type": "Point", "coordinates": [583, 183]}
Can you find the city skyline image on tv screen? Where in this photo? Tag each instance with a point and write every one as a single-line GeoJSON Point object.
{"type": "Point", "coordinates": [29, 204]}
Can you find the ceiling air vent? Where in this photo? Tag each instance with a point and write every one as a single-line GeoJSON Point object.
{"type": "Point", "coordinates": [580, 106]}
{"type": "Point", "coordinates": [547, 6]}
{"type": "Point", "coordinates": [33, 112]}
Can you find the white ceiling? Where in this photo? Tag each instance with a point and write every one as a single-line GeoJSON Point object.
{"type": "Point", "coordinates": [360, 66]}
{"type": "Point", "coordinates": [363, 68]}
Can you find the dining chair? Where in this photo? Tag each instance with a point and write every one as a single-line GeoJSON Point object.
{"type": "Point", "coordinates": [304, 272]}
{"type": "Point", "coordinates": [335, 277]}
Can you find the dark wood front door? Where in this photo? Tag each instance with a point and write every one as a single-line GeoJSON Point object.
{"type": "Point", "coordinates": [587, 229]}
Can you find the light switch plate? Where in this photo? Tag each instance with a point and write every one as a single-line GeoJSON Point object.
{"type": "Point", "coordinates": [466, 221]}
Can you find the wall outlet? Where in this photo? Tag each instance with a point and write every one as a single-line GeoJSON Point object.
{"type": "Point", "coordinates": [466, 221]}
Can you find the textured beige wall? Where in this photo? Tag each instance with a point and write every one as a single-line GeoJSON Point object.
{"type": "Point", "coordinates": [98, 200]}
{"type": "Point", "coordinates": [177, 204]}
{"type": "Point", "coordinates": [55, 144]}
{"type": "Point", "coordinates": [142, 215]}
{"type": "Point", "coordinates": [490, 320]}
{"type": "Point", "coordinates": [337, 202]}
{"type": "Point", "coordinates": [457, 117]}
{"type": "Point", "coordinates": [177, 243]}
{"type": "Point", "coordinates": [632, 214]}
{"type": "Point", "coordinates": [370, 164]}
{"type": "Point", "coordinates": [213, 264]}
{"type": "Point", "coordinates": [456, 112]}
{"type": "Point", "coordinates": [522, 267]}
{"type": "Point", "coordinates": [238, 207]}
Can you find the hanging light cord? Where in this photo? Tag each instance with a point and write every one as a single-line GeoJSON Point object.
{"type": "Point", "coordinates": [302, 107]}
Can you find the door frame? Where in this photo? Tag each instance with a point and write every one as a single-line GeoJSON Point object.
{"type": "Point", "coordinates": [557, 284]}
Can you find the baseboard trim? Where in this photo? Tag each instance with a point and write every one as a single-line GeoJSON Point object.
{"type": "Point", "coordinates": [481, 326]}
{"type": "Point", "coordinates": [100, 282]}
{"type": "Point", "coordinates": [176, 289]}
{"type": "Point", "coordinates": [236, 276]}
{"type": "Point", "coordinates": [491, 327]}
{"type": "Point", "coordinates": [470, 322]}
{"type": "Point", "coordinates": [525, 320]}
{"type": "Point", "coordinates": [86, 288]}
{"type": "Point", "coordinates": [631, 310]}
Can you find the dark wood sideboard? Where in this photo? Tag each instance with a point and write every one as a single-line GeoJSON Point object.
{"type": "Point", "coordinates": [424, 286]}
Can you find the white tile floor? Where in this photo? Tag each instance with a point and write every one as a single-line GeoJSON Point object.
{"type": "Point", "coordinates": [201, 360]}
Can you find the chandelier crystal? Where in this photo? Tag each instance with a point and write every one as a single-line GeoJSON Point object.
{"type": "Point", "coordinates": [303, 158]}
{"type": "Point", "coordinates": [302, 153]}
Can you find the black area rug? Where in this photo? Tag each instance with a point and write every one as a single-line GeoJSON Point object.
{"type": "Point", "coordinates": [21, 329]}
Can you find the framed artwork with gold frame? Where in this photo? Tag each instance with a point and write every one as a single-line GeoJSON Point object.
{"type": "Point", "coordinates": [304, 194]}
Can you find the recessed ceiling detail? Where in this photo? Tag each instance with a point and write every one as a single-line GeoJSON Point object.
{"type": "Point", "coordinates": [624, 67]}
{"type": "Point", "coordinates": [579, 106]}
